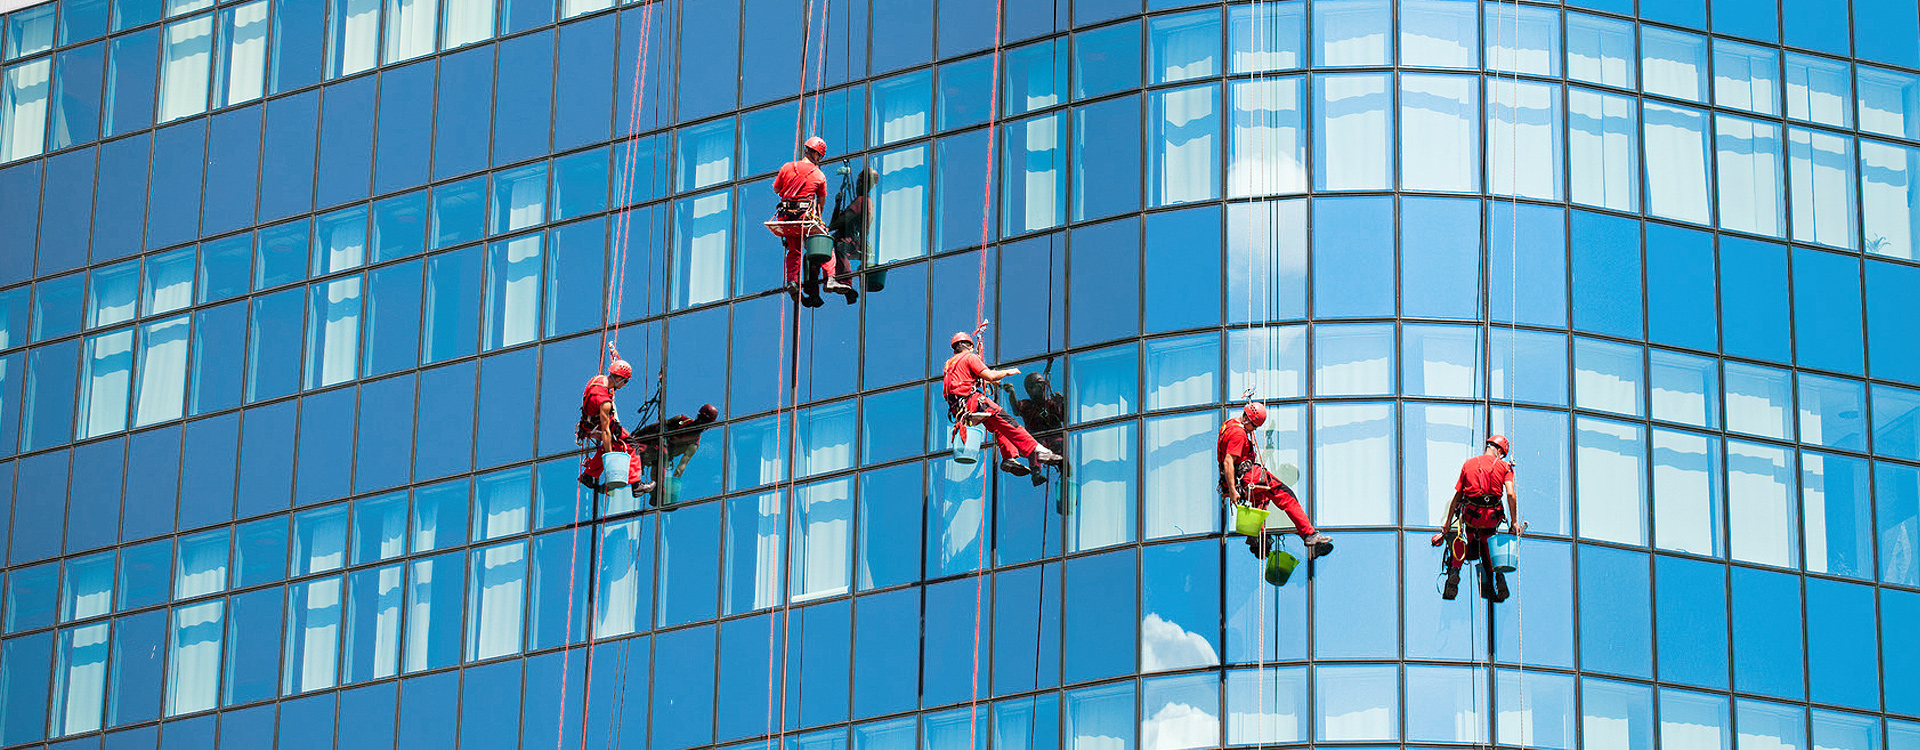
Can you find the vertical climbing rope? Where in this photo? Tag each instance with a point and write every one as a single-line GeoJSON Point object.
{"type": "Point", "coordinates": [980, 322]}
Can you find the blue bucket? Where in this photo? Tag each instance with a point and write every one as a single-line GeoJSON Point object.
{"type": "Point", "coordinates": [966, 444]}
{"type": "Point", "coordinates": [1504, 551]}
{"type": "Point", "coordinates": [613, 470]}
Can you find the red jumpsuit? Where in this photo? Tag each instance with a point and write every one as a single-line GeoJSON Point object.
{"type": "Point", "coordinates": [1483, 482]}
{"type": "Point", "coordinates": [961, 371]}
{"type": "Point", "coordinates": [802, 180]}
{"type": "Point", "coordinates": [597, 394]}
{"type": "Point", "coordinates": [1259, 487]}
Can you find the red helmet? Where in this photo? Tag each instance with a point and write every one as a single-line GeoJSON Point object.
{"type": "Point", "coordinates": [1255, 413]}
{"type": "Point", "coordinates": [960, 338]}
{"type": "Point", "coordinates": [620, 368]}
{"type": "Point", "coordinates": [1500, 441]}
{"type": "Point", "coordinates": [817, 145]}
{"type": "Point", "coordinates": [709, 413]}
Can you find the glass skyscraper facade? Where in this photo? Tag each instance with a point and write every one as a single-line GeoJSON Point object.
{"type": "Point", "coordinates": [297, 298]}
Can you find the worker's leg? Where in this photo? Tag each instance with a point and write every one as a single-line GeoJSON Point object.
{"type": "Point", "coordinates": [793, 259]}
{"type": "Point", "coordinates": [1278, 494]}
{"type": "Point", "coordinates": [1014, 440]}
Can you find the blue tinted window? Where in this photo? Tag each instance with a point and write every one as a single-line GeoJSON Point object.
{"type": "Point", "coordinates": [66, 210]}
{"type": "Point", "coordinates": [1539, 258]}
{"type": "Point", "coordinates": [1902, 684]}
{"type": "Point", "coordinates": [1185, 245]}
{"type": "Point", "coordinates": [1680, 288]}
{"type": "Point", "coordinates": [460, 123]}
{"type": "Point", "coordinates": [1766, 649]}
{"type": "Point", "coordinates": [1104, 278]}
{"type": "Point", "coordinates": [1815, 25]}
{"type": "Point", "coordinates": [1841, 643]}
{"type": "Point", "coordinates": [346, 134]}
{"type": "Point", "coordinates": [1753, 290]}
{"type": "Point", "coordinates": [1826, 310]}
{"type": "Point", "coordinates": [1439, 258]}
{"type": "Point", "coordinates": [1353, 254]}
{"type": "Point", "coordinates": [1106, 174]}
{"type": "Point", "coordinates": [1100, 593]}
{"type": "Point", "coordinates": [286, 180]}
{"type": "Point", "coordinates": [1886, 30]}
{"type": "Point", "coordinates": [1692, 626]}
{"type": "Point", "coordinates": [882, 682]}
{"type": "Point", "coordinates": [1895, 313]}
{"type": "Point", "coordinates": [1266, 261]}
{"type": "Point", "coordinates": [1613, 612]}
{"type": "Point", "coordinates": [58, 308]}
{"type": "Point", "coordinates": [1606, 275]}
{"type": "Point", "coordinates": [46, 415]}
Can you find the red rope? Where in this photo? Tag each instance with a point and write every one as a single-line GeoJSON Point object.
{"type": "Point", "coordinates": [980, 322]}
{"type": "Point", "coordinates": [617, 284]}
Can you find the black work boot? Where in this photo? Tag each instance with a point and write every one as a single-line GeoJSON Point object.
{"type": "Point", "coordinates": [1014, 467]}
{"type": "Point", "coordinates": [1318, 545]}
{"type": "Point", "coordinates": [811, 295]}
{"type": "Point", "coordinates": [1453, 585]}
{"type": "Point", "coordinates": [1499, 587]}
{"type": "Point", "coordinates": [835, 286]}
{"type": "Point", "coordinates": [1257, 545]}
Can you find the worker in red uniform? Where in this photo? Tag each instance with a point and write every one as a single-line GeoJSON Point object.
{"type": "Point", "coordinates": [967, 385]}
{"type": "Point", "coordinates": [1243, 479]}
{"type": "Point", "coordinates": [1484, 480]}
{"type": "Point", "coordinates": [600, 423]}
{"type": "Point", "coordinates": [803, 191]}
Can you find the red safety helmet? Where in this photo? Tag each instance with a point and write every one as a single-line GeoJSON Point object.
{"type": "Point", "coordinates": [960, 338]}
{"type": "Point", "coordinates": [620, 368]}
{"type": "Point", "coordinates": [1255, 413]}
{"type": "Point", "coordinates": [708, 412]}
{"type": "Point", "coordinates": [1500, 441]}
{"type": "Point", "coordinates": [817, 145]}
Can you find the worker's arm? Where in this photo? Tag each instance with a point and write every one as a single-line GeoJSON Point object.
{"type": "Point", "coordinates": [1513, 510]}
{"type": "Point", "coordinates": [1233, 483]}
{"type": "Point", "coordinates": [993, 376]}
{"type": "Point", "coordinates": [606, 426]}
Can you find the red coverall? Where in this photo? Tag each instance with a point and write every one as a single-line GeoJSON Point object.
{"type": "Point", "coordinates": [1259, 487]}
{"type": "Point", "coordinates": [598, 393]}
{"type": "Point", "coordinates": [962, 370]}
{"type": "Point", "coordinates": [1483, 482]}
{"type": "Point", "coordinates": [801, 179]}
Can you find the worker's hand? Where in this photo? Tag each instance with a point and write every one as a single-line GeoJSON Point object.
{"type": "Point", "coordinates": [1516, 528]}
{"type": "Point", "coordinates": [1013, 371]}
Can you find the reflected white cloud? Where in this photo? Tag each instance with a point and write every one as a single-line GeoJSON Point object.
{"type": "Point", "coordinates": [1177, 726]}
{"type": "Point", "coordinates": [1165, 645]}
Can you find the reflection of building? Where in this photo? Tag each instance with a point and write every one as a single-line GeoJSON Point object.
{"type": "Point", "coordinates": [244, 241]}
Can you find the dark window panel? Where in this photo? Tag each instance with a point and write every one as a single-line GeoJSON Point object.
{"type": "Point", "coordinates": [1101, 593]}
{"type": "Point", "coordinates": [287, 161]}
{"type": "Point", "coordinates": [252, 727]}
{"type": "Point", "coordinates": [1606, 275]}
{"type": "Point", "coordinates": [507, 388]}
{"type": "Point", "coordinates": [461, 124]}
{"type": "Point", "coordinates": [1547, 589]}
{"type": "Point", "coordinates": [233, 171]}
{"type": "Point", "coordinates": [19, 203]}
{"type": "Point", "coordinates": [682, 686]}
{"type": "Point", "coordinates": [1753, 19]}
{"type": "Point", "coordinates": [1093, 11]}
{"type": "Point", "coordinates": [326, 447]}
{"type": "Point", "coordinates": [346, 142]}
{"type": "Point", "coordinates": [1528, 280]}
{"type": "Point", "coordinates": [93, 513]}
{"type": "Point", "coordinates": [1690, 14]}
{"type": "Point", "coordinates": [525, 86]}
{"type": "Point", "coordinates": [1681, 288]}
{"type": "Point", "coordinates": [1691, 625]}
{"type": "Point", "coordinates": [123, 187]}
{"type": "Point", "coordinates": [134, 687]}
{"type": "Point", "coordinates": [393, 318]}
{"type": "Point", "coordinates": [428, 709]}
{"type": "Point", "coordinates": [383, 455]}
{"type": "Point", "coordinates": [1353, 606]}
{"type": "Point", "coordinates": [966, 27]}
{"type": "Point", "coordinates": [253, 645]}
{"type": "Point", "coordinates": [24, 667]}
{"type": "Point", "coordinates": [273, 346]}
{"type": "Point", "coordinates": [1184, 249]}
{"type": "Point", "coordinates": [961, 193]}
{"type": "Point", "coordinates": [404, 142]}
{"type": "Point", "coordinates": [46, 417]}
{"type": "Point", "coordinates": [1106, 60]}
{"type": "Point", "coordinates": [1886, 30]}
{"type": "Point", "coordinates": [130, 13]}
{"type": "Point", "coordinates": [1894, 312]}
{"type": "Point", "coordinates": [219, 360]}
{"type": "Point", "coordinates": [132, 60]}
{"type": "Point", "coordinates": [153, 468]}
{"type": "Point", "coordinates": [76, 104]}
{"type": "Point", "coordinates": [521, 15]}
{"type": "Point", "coordinates": [1842, 654]}
{"type": "Point", "coordinates": [1439, 261]}
{"type": "Point", "coordinates": [1103, 282]}
{"type": "Point", "coordinates": [709, 58]}
{"type": "Point", "coordinates": [81, 20]}
{"type": "Point", "coordinates": [656, 89]}
{"type": "Point", "coordinates": [583, 98]}
{"type": "Point", "coordinates": [179, 161]}
{"type": "Point", "coordinates": [39, 504]}
{"type": "Point", "coordinates": [749, 674]}
{"type": "Point", "coordinates": [66, 212]}
{"type": "Point", "coordinates": [768, 72]}
{"type": "Point", "coordinates": [447, 393]}
{"type": "Point", "coordinates": [554, 682]}
{"type": "Point", "coordinates": [266, 459]}
{"type": "Point", "coordinates": [1352, 257]}
{"type": "Point", "coordinates": [1106, 159]}
{"type": "Point", "coordinates": [563, 374]}
{"type": "Point", "coordinates": [490, 707]}
{"type": "Point", "coordinates": [1826, 311]}
{"type": "Point", "coordinates": [1028, 20]}
{"type": "Point", "coordinates": [885, 625]}
{"type": "Point", "coordinates": [307, 723]}
{"type": "Point", "coordinates": [298, 45]}
{"type": "Point", "coordinates": [756, 331]}
{"type": "Point", "coordinates": [1817, 25]}
{"type": "Point", "coordinates": [1766, 634]}
{"type": "Point", "coordinates": [370, 716]}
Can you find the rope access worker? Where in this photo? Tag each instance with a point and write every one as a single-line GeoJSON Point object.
{"type": "Point", "coordinates": [967, 385]}
{"type": "Point", "coordinates": [803, 190]}
{"type": "Point", "coordinates": [1243, 478]}
{"type": "Point", "coordinates": [850, 223]}
{"type": "Point", "coordinates": [599, 422]}
{"type": "Point", "coordinates": [1045, 413]}
{"type": "Point", "coordinates": [1484, 480]}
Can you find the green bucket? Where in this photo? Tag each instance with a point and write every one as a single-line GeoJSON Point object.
{"type": "Point", "coordinates": [1248, 520]}
{"type": "Point", "coordinates": [819, 248]}
{"type": "Point", "coordinates": [1280, 567]}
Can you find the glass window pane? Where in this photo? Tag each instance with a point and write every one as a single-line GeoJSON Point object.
{"type": "Point", "coordinates": [1103, 384]}
{"type": "Point", "coordinates": [1673, 63]}
{"type": "Point", "coordinates": [1676, 147]}
{"type": "Point", "coordinates": [1523, 128]}
{"type": "Point", "coordinates": [1179, 459]}
{"type": "Point", "coordinates": [1439, 132]}
{"type": "Point", "coordinates": [1446, 435]}
{"type": "Point", "coordinates": [1612, 494]}
{"type": "Point", "coordinates": [1890, 198]}
{"type": "Point", "coordinates": [1101, 715]}
{"type": "Point", "coordinates": [1102, 503]}
{"type": "Point", "coordinates": [1357, 703]}
{"type": "Point", "coordinates": [1749, 175]}
{"type": "Point", "coordinates": [1600, 50]}
{"type": "Point", "coordinates": [1608, 376]}
{"type": "Point", "coordinates": [1691, 626]}
{"type": "Point", "coordinates": [434, 589]}
{"type": "Point", "coordinates": [1832, 412]}
{"type": "Point", "coordinates": [1182, 371]}
{"type": "Point", "coordinates": [1106, 174]}
{"type": "Point", "coordinates": [902, 108]}
{"type": "Point", "coordinates": [1819, 90]}
{"type": "Point", "coordinates": [1184, 145]}
{"type": "Point", "coordinates": [1896, 422]}
{"type": "Point", "coordinates": [1889, 102]}
{"type": "Point", "coordinates": [1523, 39]}
{"type": "Point", "coordinates": [313, 636]}
{"type": "Point", "coordinates": [1771, 725]}
{"type": "Point", "coordinates": [1833, 730]}
{"type": "Point", "coordinates": [1759, 401]}
{"type": "Point", "coordinates": [333, 332]}
{"type": "Point", "coordinates": [1837, 514]}
{"type": "Point", "coordinates": [1183, 46]}
{"type": "Point", "coordinates": [1106, 60]}
{"type": "Point", "coordinates": [114, 290]}
{"type": "Point", "coordinates": [1451, 707]}
{"type": "Point", "coordinates": [201, 565]}
{"type": "Point", "coordinates": [1438, 34]}
{"type": "Point", "coordinates": [1760, 504]}
{"type": "Point", "coordinates": [105, 383]}
{"type": "Point", "coordinates": [185, 60]}
{"type": "Point", "coordinates": [1694, 719]}
{"type": "Point", "coordinates": [1603, 155]}
{"type": "Point", "coordinates": [705, 159]}
{"type": "Point", "coordinates": [1746, 77]}
{"type": "Point", "coordinates": [1034, 177]}
{"type": "Point", "coordinates": [193, 663]}
{"type": "Point", "coordinates": [1351, 32]}
{"type": "Point", "coordinates": [496, 601]}
{"type": "Point", "coordinates": [1616, 714]}
{"type": "Point", "coordinates": [1685, 388]}
{"type": "Point", "coordinates": [1536, 710]}
{"type": "Point", "coordinates": [1353, 360]}
{"type": "Point", "coordinates": [24, 93]}
{"type": "Point", "coordinates": [1686, 492]}
{"type": "Point", "coordinates": [1267, 151]}
{"type": "Point", "coordinates": [1352, 147]}
{"type": "Point", "coordinates": [1266, 36]}
{"type": "Point", "coordinates": [1353, 461]}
